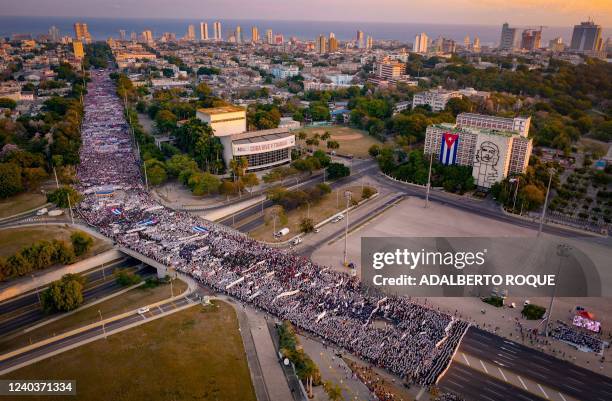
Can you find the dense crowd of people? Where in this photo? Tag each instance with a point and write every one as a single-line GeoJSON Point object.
{"type": "Point", "coordinates": [405, 338]}
{"type": "Point", "coordinates": [577, 338]}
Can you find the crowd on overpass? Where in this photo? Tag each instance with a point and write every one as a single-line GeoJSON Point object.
{"type": "Point", "coordinates": [394, 333]}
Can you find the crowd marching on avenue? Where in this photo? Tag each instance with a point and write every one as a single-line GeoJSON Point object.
{"type": "Point", "coordinates": [394, 333]}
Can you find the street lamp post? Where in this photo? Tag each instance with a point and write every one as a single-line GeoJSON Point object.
{"type": "Point", "coordinates": [308, 212]}
{"type": "Point", "coordinates": [428, 180]}
{"type": "Point", "coordinates": [70, 206]}
{"type": "Point", "coordinates": [550, 172]}
{"type": "Point", "coordinates": [563, 250]}
{"type": "Point", "coordinates": [347, 195]}
{"type": "Point", "coordinates": [56, 180]}
{"type": "Point", "coordinates": [518, 181]}
{"type": "Point", "coordinates": [103, 325]}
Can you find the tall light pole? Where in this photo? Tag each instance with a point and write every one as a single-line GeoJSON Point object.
{"type": "Point", "coordinates": [308, 212]}
{"type": "Point", "coordinates": [563, 250]}
{"type": "Point", "coordinates": [428, 180]}
{"type": "Point", "coordinates": [347, 195]}
{"type": "Point", "coordinates": [56, 180]}
{"type": "Point", "coordinates": [69, 206]}
{"type": "Point", "coordinates": [518, 181]}
{"type": "Point", "coordinates": [550, 176]}
{"type": "Point", "coordinates": [103, 325]}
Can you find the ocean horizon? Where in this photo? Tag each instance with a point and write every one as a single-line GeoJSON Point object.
{"type": "Point", "coordinates": [101, 28]}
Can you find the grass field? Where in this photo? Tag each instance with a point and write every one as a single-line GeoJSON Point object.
{"type": "Point", "coordinates": [126, 302]}
{"type": "Point", "coordinates": [195, 354]}
{"type": "Point", "coordinates": [13, 239]}
{"type": "Point", "coordinates": [328, 206]}
{"type": "Point", "coordinates": [352, 141]}
{"type": "Point", "coordinates": [21, 203]}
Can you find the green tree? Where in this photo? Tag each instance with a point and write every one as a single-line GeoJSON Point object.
{"type": "Point", "coordinates": [156, 171]}
{"type": "Point", "coordinates": [250, 180]}
{"type": "Point", "coordinates": [126, 277]}
{"type": "Point", "coordinates": [63, 295]}
{"type": "Point", "coordinates": [81, 242]}
{"type": "Point", "coordinates": [179, 163]}
{"type": "Point", "coordinates": [165, 121]}
{"type": "Point", "coordinates": [10, 180]}
{"type": "Point", "coordinates": [459, 105]}
{"type": "Point", "coordinates": [6, 103]}
{"type": "Point", "coordinates": [333, 390]}
{"type": "Point", "coordinates": [204, 183]}
{"type": "Point", "coordinates": [60, 197]}
{"type": "Point", "coordinates": [307, 225]}
{"type": "Point", "coordinates": [337, 170]}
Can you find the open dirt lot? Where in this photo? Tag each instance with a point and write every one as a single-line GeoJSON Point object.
{"type": "Point", "coordinates": [352, 141]}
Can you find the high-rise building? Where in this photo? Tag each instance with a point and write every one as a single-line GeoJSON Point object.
{"type": "Point", "coordinates": [77, 48]}
{"type": "Point", "coordinates": [122, 35]}
{"type": "Point", "coordinates": [190, 32]}
{"type": "Point", "coordinates": [531, 39]}
{"type": "Point", "coordinates": [420, 43]}
{"type": "Point", "coordinates": [556, 45]}
{"type": "Point", "coordinates": [254, 35]}
{"type": "Point", "coordinates": [238, 34]}
{"type": "Point", "coordinates": [466, 41]}
{"type": "Point", "coordinates": [54, 34]}
{"type": "Point", "coordinates": [507, 151]}
{"type": "Point", "coordinates": [476, 45]}
{"type": "Point", "coordinates": [508, 38]}
{"type": "Point", "coordinates": [390, 69]}
{"type": "Point", "coordinates": [279, 39]}
{"type": "Point", "coordinates": [333, 43]}
{"type": "Point", "coordinates": [81, 33]}
{"type": "Point", "coordinates": [203, 31]}
{"type": "Point", "coordinates": [217, 29]}
{"type": "Point", "coordinates": [147, 36]}
{"type": "Point", "coordinates": [360, 42]}
{"type": "Point", "coordinates": [269, 37]}
{"type": "Point", "coordinates": [133, 37]}
{"type": "Point", "coordinates": [322, 44]}
{"type": "Point", "coordinates": [587, 37]}
{"type": "Point", "coordinates": [369, 42]}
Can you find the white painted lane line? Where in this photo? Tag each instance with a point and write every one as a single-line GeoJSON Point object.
{"type": "Point", "coordinates": [522, 382]}
{"type": "Point", "coordinates": [543, 392]}
{"type": "Point", "coordinates": [562, 397]}
{"type": "Point", "coordinates": [484, 367]}
{"type": "Point", "coordinates": [466, 360]}
{"type": "Point", "coordinates": [455, 383]}
{"type": "Point", "coordinates": [488, 398]}
{"type": "Point", "coordinates": [502, 373]}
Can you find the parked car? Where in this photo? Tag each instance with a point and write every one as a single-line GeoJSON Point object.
{"type": "Point", "coordinates": [143, 310]}
{"type": "Point", "coordinates": [42, 211]}
{"type": "Point", "coordinates": [297, 240]}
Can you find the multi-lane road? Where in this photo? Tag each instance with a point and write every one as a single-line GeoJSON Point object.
{"type": "Point", "coordinates": [540, 368]}
{"type": "Point", "coordinates": [13, 362]}
{"type": "Point", "coordinates": [250, 218]}
{"type": "Point", "coordinates": [24, 311]}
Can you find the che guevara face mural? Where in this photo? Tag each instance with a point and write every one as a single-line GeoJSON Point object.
{"type": "Point", "coordinates": [485, 164]}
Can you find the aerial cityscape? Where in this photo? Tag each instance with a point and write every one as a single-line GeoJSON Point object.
{"type": "Point", "coordinates": [270, 203]}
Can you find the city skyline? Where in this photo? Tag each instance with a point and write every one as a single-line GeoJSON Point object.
{"type": "Point", "coordinates": [550, 12]}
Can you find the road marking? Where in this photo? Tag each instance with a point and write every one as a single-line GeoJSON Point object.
{"type": "Point", "coordinates": [488, 398]}
{"type": "Point", "coordinates": [455, 383]}
{"type": "Point", "coordinates": [484, 367]}
{"type": "Point", "coordinates": [466, 360]}
{"type": "Point", "coordinates": [542, 390]}
{"type": "Point", "coordinates": [573, 388]}
{"type": "Point", "coordinates": [420, 394]}
{"type": "Point", "coordinates": [502, 373]}
{"type": "Point", "coordinates": [562, 397]}
{"type": "Point", "coordinates": [509, 350]}
{"type": "Point", "coordinates": [522, 382]}
{"type": "Point", "coordinates": [142, 316]}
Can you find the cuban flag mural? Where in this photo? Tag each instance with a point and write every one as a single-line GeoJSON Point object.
{"type": "Point", "coordinates": [448, 150]}
{"type": "Point", "coordinates": [116, 212]}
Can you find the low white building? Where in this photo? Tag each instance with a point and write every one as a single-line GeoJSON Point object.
{"type": "Point", "coordinates": [284, 71]}
{"type": "Point", "coordinates": [263, 149]}
{"type": "Point", "coordinates": [435, 98]}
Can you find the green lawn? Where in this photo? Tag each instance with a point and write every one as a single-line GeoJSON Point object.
{"type": "Point", "coordinates": [352, 141]}
{"type": "Point", "coordinates": [21, 203]}
{"type": "Point", "coordinates": [195, 354]}
{"type": "Point", "coordinates": [13, 239]}
{"type": "Point", "coordinates": [126, 302]}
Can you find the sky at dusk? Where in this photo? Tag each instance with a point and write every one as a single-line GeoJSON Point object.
{"type": "Point", "coordinates": [472, 12]}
